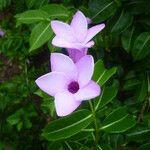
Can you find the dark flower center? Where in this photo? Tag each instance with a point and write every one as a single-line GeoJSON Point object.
{"type": "Point", "coordinates": [73, 87]}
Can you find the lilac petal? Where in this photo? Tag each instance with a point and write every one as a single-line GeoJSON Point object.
{"type": "Point", "coordinates": [91, 90]}
{"type": "Point", "coordinates": [60, 42]}
{"type": "Point", "coordinates": [65, 103]}
{"type": "Point", "coordinates": [90, 44]}
{"type": "Point", "coordinates": [62, 63]}
{"type": "Point", "coordinates": [93, 31]}
{"type": "Point", "coordinates": [89, 21]}
{"type": "Point", "coordinates": [52, 83]}
{"type": "Point", "coordinates": [76, 55]}
{"type": "Point", "coordinates": [85, 68]}
{"type": "Point", "coordinates": [79, 25]}
{"type": "Point", "coordinates": [63, 30]}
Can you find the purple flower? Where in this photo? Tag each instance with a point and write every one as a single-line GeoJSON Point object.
{"type": "Point", "coordinates": [70, 83]}
{"type": "Point", "coordinates": [76, 54]}
{"type": "Point", "coordinates": [76, 35]}
{"type": "Point", "coordinates": [1, 33]}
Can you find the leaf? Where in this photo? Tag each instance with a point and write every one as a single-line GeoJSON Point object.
{"type": "Point", "coordinates": [118, 121]}
{"type": "Point", "coordinates": [144, 147]}
{"type": "Point", "coordinates": [67, 126]}
{"type": "Point", "coordinates": [107, 95]}
{"type": "Point", "coordinates": [56, 11]}
{"type": "Point", "coordinates": [119, 22]}
{"type": "Point", "coordinates": [101, 75]}
{"type": "Point", "coordinates": [102, 9]}
{"type": "Point", "coordinates": [40, 34]}
{"type": "Point", "coordinates": [138, 134]}
{"type": "Point", "coordinates": [142, 90]}
{"type": "Point", "coordinates": [127, 38]}
{"type": "Point", "coordinates": [32, 16]}
{"type": "Point", "coordinates": [141, 46]}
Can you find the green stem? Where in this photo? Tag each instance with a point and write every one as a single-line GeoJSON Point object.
{"type": "Point", "coordinates": [95, 123]}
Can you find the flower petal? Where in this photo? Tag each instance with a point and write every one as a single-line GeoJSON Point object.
{"type": "Point", "coordinates": [79, 25]}
{"type": "Point", "coordinates": [85, 68]}
{"type": "Point", "coordinates": [76, 54]}
{"type": "Point", "coordinates": [93, 31]}
{"type": "Point", "coordinates": [62, 63]}
{"type": "Point", "coordinates": [63, 30]}
{"type": "Point", "coordinates": [65, 103]}
{"type": "Point", "coordinates": [89, 44]}
{"type": "Point", "coordinates": [60, 42]}
{"type": "Point", "coordinates": [52, 83]}
{"type": "Point", "coordinates": [88, 92]}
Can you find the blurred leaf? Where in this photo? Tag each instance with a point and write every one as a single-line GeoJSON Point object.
{"type": "Point", "coordinates": [144, 147]}
{"type": "Point", "coordinates": [142, 90]}
{"type": "Point", "coordinates": [103, 147]}
{"type": "Point", "coordinates": [141, 46]}
{"type": "Point", "coordinates": [119, 22]}
{"type": "Point", "coordinates": [30, 3]}
{"type": "Point", "coordinates": [41, 33]}
{"type": "Point", "coordinates": [118, 121]}
{"type": "Point", "coordinates": [15, 118]}
{"type": "Point", "coordinates": [126, 38]}
{"type": "Point", "coordinates": [56, 11]}
{"type": "Point", "coordinates": [107, 95]}
{"type": "Point", "coordinates": [138, 134]}
{"type": "Point", "coordinates": [131, 84]}
{"type": "Point", "coordinates": [102, 9]}
{"type": "Point", "coordinates": [101, 75]}
{"type": "Point", "coordinates": [67, 126]}
{"type": "Point", "coordinates": [32, 16]}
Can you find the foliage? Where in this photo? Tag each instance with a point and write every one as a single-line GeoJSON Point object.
{"type": "Point", "coordinates": [118, 119]}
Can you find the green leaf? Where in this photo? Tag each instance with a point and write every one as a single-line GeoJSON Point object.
{"type": "Point", "coordinates": [144, 147]}
{"type": "Point", "coordinates": [107, 95]}
{"type": "Point", "coordinates": [101, 75]}
{"type": "Point", "coordinates": [119, 22]}
{"type": "Point", "coordinates": [56, 11]}
{"type": "Point", "coordinates": [138, 134]}
{"type": "Point", "coordinates": [102, 9]}
{"type": "Point", "coordinates": [32, 16]}
{"type": "Point", "coordinates": [127, 38]}
{"type": "Point", "coordinates": [67, 126]}
{"type": "Point", "coordinates": [142, 90]}
{"type": "Point", "coordinates": [40, 35]}
{"type": "Point", "coordinates": [141, 46]}
{"type": "Point", "coordinates": [15, 118]}
{"type": "Point", "coordinates": [118, 121]}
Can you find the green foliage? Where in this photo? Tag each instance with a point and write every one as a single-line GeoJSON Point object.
{"type": "Point", "coordinates": [67, 126]}
{"type": "Point", "coordinates": [117, 119]}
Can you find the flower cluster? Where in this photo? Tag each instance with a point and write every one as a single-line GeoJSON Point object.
{"type": "Point", "coordinates": [70, 80]}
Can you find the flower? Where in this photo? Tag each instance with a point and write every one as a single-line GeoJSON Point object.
{"type": "Point", "coordinates": [1, 33]}
{"type": "Point", "coordinates": [76, 35]}
{"type": "Point", "coordinates": [70, 83]}
{"type": "Point", "coordinates": [76, 54]}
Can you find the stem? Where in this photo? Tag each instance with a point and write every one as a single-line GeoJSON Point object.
{"type": "Point", "coordinates": [95, 123]}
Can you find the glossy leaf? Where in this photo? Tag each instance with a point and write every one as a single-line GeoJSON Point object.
{"type": "Point", "coordinates": [67, 126]}
{"type": "Point", "coordinates": [102, 9]}
{"type": "Point", "coordinates": [138, 134]}
{"type": "Point", "coordinates": [118, 121]}
{"type": "Point", "coordinates": [32, 16]}
{"type": "Point", "coordinates": [127, 38]}
{"type": "Point", "coordinates": [141, 46]}
{"type": "Point", "coordinates": [56, 11]}
{"type": "Point", "coordinates": [41, 33]}
{"type": "Point", "coordinates": [102, 75]}
{"type": "Point", "coordinates": [107, 95]}
{"type": "Point", "coordinates": [119, 22]}
{"type": "Point", "coordinates": [141, 92]}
